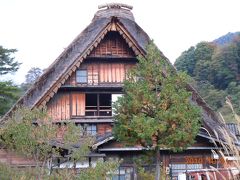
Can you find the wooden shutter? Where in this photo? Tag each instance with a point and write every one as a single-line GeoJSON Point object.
{"type": "Point", "coordinates": [103, 72]}
{"type": "Point", "coordinates": [112, 73]}
{"type": "Point", "coordinates": [78, 104]}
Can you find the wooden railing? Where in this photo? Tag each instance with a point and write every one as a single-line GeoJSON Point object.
{"type": "Point", "coordinates": [98, 111]}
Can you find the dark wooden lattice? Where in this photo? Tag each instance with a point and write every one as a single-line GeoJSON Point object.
{"type": "Point", "coordinates": [112, 45]}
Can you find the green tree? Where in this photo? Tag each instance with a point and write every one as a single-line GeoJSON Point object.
{"type": "Point", "coordinates": [233, 91]}
{"type": "Point", "coordinates": [216, 68]}
{"type": "Point", "coordinates": [196, 60]}
{"type": "Point", "coordinates": [156, 111]}
{"type": "Point", "coordinates": [224, 66]}
{"type": "Point", "coordinates": [32, 75]}
{"type": "Point", "coordinates": [203, 56]}
{"type": "Point", "coordinates": [186, 62]}
{"type": "Point", "coordinates": [29, 133]}
{"type": "Point", "coordinates": [7, 62]}
{"type": "Point", "coordinates": [214, 97]}
{"type": "Point", "coordinates": [9, 92]}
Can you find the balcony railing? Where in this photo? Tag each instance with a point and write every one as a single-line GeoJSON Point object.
{"type": "Point", "coordinates": [98, 111]}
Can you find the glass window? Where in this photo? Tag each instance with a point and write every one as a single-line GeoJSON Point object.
{"type": "Point", "coordinates": [91, 129]}
{"type": "Point", "coordinates": [81, 76]}
{"type": "Point", "coordinates": [123, 173]}
{"type": "Point", "coordinates": [181, 168]}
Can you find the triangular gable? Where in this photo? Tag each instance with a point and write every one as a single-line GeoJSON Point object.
{"type": "Point", "coordinates": [112, 46]}
{"type": "Point", "coordinates": [113, 26]}
{"type": "Point", "coordinates": [67, 63]}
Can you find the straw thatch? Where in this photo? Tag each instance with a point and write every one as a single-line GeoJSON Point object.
{"type": "Point", "coordinates": [70, 59]}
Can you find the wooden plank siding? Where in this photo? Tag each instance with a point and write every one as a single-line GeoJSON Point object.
{"type": "Point", "coordinates": [103, 128]}
{"type": "Point", "coordinates": [103, 73]}
{"type": "Point", "coordinates": [93, 70]}
{"type": "Point", "coordinates": [112, 73]}
{"type": "Point", "coordinates": [78, 104]}
{"type": "Point", "coordinates": [58, 107]}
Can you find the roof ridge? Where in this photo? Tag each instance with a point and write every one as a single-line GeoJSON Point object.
{"type": "Point", "coordinates": [115, 5]}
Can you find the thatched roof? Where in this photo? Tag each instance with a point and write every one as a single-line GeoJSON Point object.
{"type": "Point", "coordinates": [113, 18]}
{"type": "Point", "coordinates": [57, 73]}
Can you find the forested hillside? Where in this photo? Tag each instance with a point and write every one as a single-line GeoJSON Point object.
{"type": "Point", "coordinates": [215, 66]}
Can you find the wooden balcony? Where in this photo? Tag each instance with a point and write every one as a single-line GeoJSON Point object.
{"type": "Point", "coordinates": [87, 120]}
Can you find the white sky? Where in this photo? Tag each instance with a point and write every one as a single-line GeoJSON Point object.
{"type": "Point", "coordinates": [41, 29]}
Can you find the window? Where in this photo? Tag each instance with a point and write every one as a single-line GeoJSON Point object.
{"type": "Point", "coordinates": [81, 76]}
{"type": "Point", "coordinates": [181, 168]}
{"type": "Point", "coordinates": [91, 129]}
{"type": "Point", "coordinates": [123, 173]}
{"type": "Point", "coordinates": [88, 129]}
{"type": "Point", "coordinates": [98, 105]}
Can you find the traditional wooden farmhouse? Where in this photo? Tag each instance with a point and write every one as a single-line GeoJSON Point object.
{"type": "Point", "coordinates": [83, 82]}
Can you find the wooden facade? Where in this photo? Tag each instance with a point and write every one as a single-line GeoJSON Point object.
{"type": "Point", "coordinates": [84, 81]}
{"type": "Point", "coordinates": [102, 70]}
{"type": "Point", "coordinates": [59, 107]}
{"type": "Point", "coordinates": [102, 73]}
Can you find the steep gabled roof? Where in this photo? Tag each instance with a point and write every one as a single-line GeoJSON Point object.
{"type": "Point", "coordinates": [70, 59]}
{"type": "Point", "coordinates": [114, 18]}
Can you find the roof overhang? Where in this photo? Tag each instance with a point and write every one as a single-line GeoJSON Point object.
{"type": "Point", "coordinates": [161, 149]}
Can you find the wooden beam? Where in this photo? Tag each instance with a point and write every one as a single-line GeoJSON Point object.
{"type": "Point", "coordinates": [51, 94]}
{"type": "Point", "coordinates": [59, 85]}
{"type": "Point", "coordinates": [88, 52]}
{"type": "Point", "coordinates": [55, 89]}
{"type": "Point", "coordinates": [67, 76]}
{"type": "Point", "coordinates": [48, 98]}
{"type": "Point", "coordinates": [63, 81]}
{"type": "Point", "coordinates": [70, 72]}
{"type": "Point", "coordinates": [137, 50]}
{"type": "Point", "coordinates": [74, 68]}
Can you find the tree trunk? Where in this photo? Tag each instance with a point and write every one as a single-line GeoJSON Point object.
{"type": "Point", "coordinates": [157, 176]}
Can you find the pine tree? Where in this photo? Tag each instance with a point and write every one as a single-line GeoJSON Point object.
{"type": "Point", "coordinates": [156, 110]}
{"type": "Point", "coordinates": [9, 92]}
{"type": "Point", "coordinates": [7, 62]}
